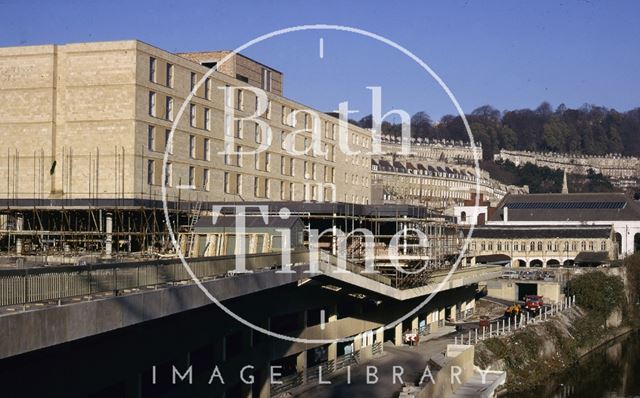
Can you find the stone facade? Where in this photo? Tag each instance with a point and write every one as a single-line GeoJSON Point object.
{"type": "Point", "coordinates": [434, 149]}
{"type": "Point", "coordinates": [614, 166]}
{"type": "Point", "coordinates": [419, 181]}
{"type": "Point", "coordinates": [91, 120]}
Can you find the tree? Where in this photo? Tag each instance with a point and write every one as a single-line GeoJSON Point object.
{"type": "Point", "coordinates": [555, 135]}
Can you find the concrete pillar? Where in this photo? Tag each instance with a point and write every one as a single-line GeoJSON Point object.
{"type": "Point", "coordinates": [415, 323]}
{"type": "Point", "coordinates": [109, 238]}
{"type": "Point", "coordinates": [357, 342]}
{"type": "Point", "coordinates": [332, 314]}
{"type": "Point", "coordinates": [380, 337]}
{"type": "Point", "coordinates": [19, 227]}
{"type": "Point", "coordinates": [397, 338]}
{"type": "Point", "coordinates": [332, 351]}
{"type": "Point", "coordinates": [454, 309]}
{"type": "Point", "coordinates": [301, 364]}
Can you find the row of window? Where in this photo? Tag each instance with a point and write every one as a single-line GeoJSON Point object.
{"type": "Point", "coordinates": [198, 178]}
{"type": "Point", "coordinates": [169, 77]}
{"type": "Point", "coordinates": [538, 246]}
{"type": "Point", "coordinates": [204, 91]}
{"type": "Point", "coordinates": [168, 113]}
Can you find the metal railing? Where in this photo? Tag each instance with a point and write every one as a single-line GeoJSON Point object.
{"type": "Point", "coordinates": [348, 359]}
{"type": "Point", "coordinates": [313, 373]}
{"type": "Point", "coordinates": [286, 383]}
{"type": "Point", "coordinates": [30, 285]}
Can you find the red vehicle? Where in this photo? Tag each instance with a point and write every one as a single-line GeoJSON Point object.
{"type": "Point", "coordinates": [533, 302]}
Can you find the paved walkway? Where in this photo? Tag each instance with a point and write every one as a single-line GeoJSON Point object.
{"type": "Point", "coordinates": [412, 359]}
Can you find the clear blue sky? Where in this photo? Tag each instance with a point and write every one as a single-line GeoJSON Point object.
{"type": "Point", "coordinates": [509, 54]}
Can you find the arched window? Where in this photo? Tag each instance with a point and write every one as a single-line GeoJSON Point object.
{"type": "Point", "coordinates": [549, 245]}
{"type": "Point", "coordinates": [499, 246]}
{"type": "Point", "coordinates": [532, 246]}
{"type": "Point", "coordinates": [463, 216]}
{"type": "Point", "coordinates": [619, 241]}
{"type": "Point", "coordinates": [566, 246]}
{"type": "Point", "coordinates": [539, 246]}
{"type": "Point", "coordinates": [591, 245]}
{"type": "Point", "coordinates": [574, 246]}
{"type": "Point", "coordinates": [603, 246]}
{"type": "Point", "coordinates": [583, 245]}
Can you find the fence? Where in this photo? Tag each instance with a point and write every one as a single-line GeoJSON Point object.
{"type": "Point", "coordinates": [41, 284]}
{"type": "Point", "coordinates": [507, 326]}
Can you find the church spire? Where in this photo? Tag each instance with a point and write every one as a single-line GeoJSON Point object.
{"type": "Point", "coordinates": [565, 186]}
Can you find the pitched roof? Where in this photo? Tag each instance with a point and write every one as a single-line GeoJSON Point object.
{"type": "Point", "coordinates": [568, 207]}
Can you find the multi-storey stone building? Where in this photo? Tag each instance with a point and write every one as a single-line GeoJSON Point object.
{"type": "Point", "coordinates": [543, 245]}
{"type": "Point", "coordinates": [416, 180]}
{"type": "Point", "coordinates": [434, 149]}
{"type": "Point", "coordinates": [92, 121]}
{"type": "Point", "coordinates": [621, 169]}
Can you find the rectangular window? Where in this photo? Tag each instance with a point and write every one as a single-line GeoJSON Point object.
{"type": "Point", "coordinates": [267, 161]}
{"type": "Point", "coordinates": [292, 192]}
{"type": "Point", "coordinates": [169, 75]}
{"type": "Point", "coordinates": [205, 179]}
{"type": "Point", "coordinates": [192, 146]}
{"type": "Point", "coordinates": [151, 138]}
{"type": "Point", "coordinates": [206, 152]}
{"type": "Point", "coordinates": [168, 174]}
{"type": "Point", "coordinates": [192, 175]}
{"type": "Point", "coordinates": [150, 172]}
{"type": "Point", "coordinates": [192, 114]}
{"type": "Point", "coordinates": [193, 81]}
{"type": "Point", "coordinates": [227, 182]}
{"type": "Point", "coordinates": [152, 69]}
{"type": "Point", "coordinates": [258, 134]}
{"type": "Point", "coordinates": [169, 109]}
{"type": "Point", "coordinates": [283, 138]}
{"type": "Point", "coordinates": [267, 188]}
{"type": "Point", "coordinates": [152, 103]}
{"type": "Point", "coordinates": [240, 100]}
{"type": "Point", "coordinates": [207, 119]}
{"type": "Point", "coordinates": [239, 156]}
{"type": "Point", "coordinates": [268, 114]}
{"type": "Point", "coordinates": [238, 128]}
{"type": "Point", "coordinates": [167, 141]}
{"type": "Point", "coordinates": [266, 79]}
{"type": "Point", "coordinates": [207, 88]}
{"type": "Point", "coordinates": [283, 192]}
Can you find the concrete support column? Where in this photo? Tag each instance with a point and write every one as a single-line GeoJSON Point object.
{"type": "Point", "coordinates": [109, 237]}
{"type": "Point", "coordinates": [332, 313]}
{"type": "Point", "coordinates": [19, 227]}
{"type": "Point", "coordinates": [397, 337]}
{"type": "Point", "coordinates": [332, 351]}
{"type": "Point", "coordinates": [357, 342]}
{"type": "Point", "coordinates": [415, 323]}
{"type": "Point", "coordinates": [301, 364]}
